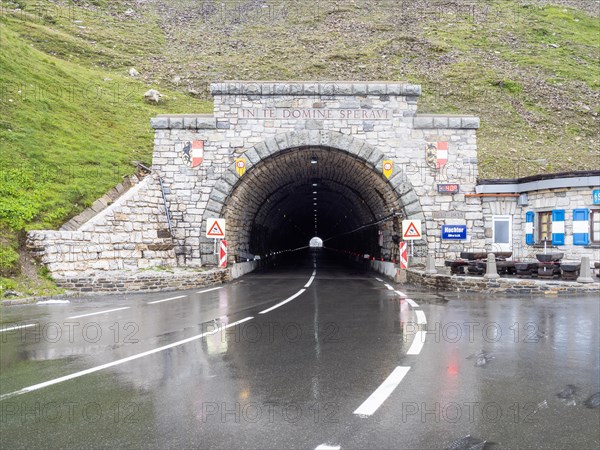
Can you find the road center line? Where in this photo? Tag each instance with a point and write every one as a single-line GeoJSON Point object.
{"type": "Point", "coordinates": [99, 312]}
{"type": "Point", "coordinates": [389, 287]}
{"type": "Point", "coordinates": [378, 279]}
{"type": "Point", "coordinates": [208, 290]}
{"type": "Point", "coordinates": [376, 399]}
{"type": "Point", "coordinates": [417, 343]}
{"type": "Point", "coordinates": [327, 447]}
{"type": "Point", "coordinates": [35, 387]}
{"type": "Point", "coordinates": [310, 280]}
{"type": "Point", "coordinates": [289, 299]}
{"type": "Point", "coordinates": [166, 299]}
{"type": "Point", "coordinates": [401, 294]}
{"type": "Point", "coordinates": [2, 329]}
{"type": "Point", "coordinates": [421, 320]}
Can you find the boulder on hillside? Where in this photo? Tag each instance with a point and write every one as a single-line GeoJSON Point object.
{"type": "Point", "coordinates": [152, 96]}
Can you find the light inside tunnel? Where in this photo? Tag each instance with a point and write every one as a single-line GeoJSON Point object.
{"type": "Point", "coordinates": [273, 206]}
{"type": "Point", "coordinates": [316, 242]}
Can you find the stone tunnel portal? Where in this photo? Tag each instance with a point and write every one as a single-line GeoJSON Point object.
{"type": "Point", "coordinates": [303, 192]}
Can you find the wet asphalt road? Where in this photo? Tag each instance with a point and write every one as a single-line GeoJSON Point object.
{"type": "Point", "coordinates": [239, 374]}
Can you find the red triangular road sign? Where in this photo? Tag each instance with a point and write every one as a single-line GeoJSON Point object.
{"type": "Point", "coordinates": [412, 231]}
{"type": "Point", "coordinates": [215, 230]}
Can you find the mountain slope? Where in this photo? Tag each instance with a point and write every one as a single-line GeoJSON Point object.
{"type": "Point", "coordinates": [72, 119]}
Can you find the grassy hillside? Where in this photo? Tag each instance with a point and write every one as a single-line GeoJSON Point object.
{"type": "Point", "coordinates": [71, 122]}
{"type": "Point", "coordinates": [72, 119]}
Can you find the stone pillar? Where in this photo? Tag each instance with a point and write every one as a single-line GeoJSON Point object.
{"type": "Point", "coordinates": [491, 273]}
{"type": "Point", "coordinates": [430, 268]}
{"type": "Point", "coordinates": [585, 273]}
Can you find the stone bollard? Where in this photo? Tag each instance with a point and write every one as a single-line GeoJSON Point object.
{"type": "Point", "coordinates": [585, 273]}
{"type": "Point", "coordinates": [430, 269]}
{"type": "Point", "coordinates": [401, 276]}
{"type": "Point", "coordinates": [491, 273]}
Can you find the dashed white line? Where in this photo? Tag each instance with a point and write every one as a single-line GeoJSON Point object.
{"type": "Point", "coordinates": [35, 387]}
{"type": "Point", "coordinates": [389, 287]}
{"type": "Point", "coordinates": [98, 312]}
{"type": "Point", "coordinates": [378, 279]}
{"type": "Point", "coordinates": [289, 299]}
{"type": "Point", "coordinates": [167, 299]}
{"type": "Point", "coordinates": [412, 303]}
{"type": "Point", "coordinates": [18, 327]}
{"type": "Point", "coordinates": [417, 343]}
{"type": "Point", "coordinates": [327, 447]}
{"type": "Point", "coordinates": [401, 294]}
{"type": "Point", "coordinates": [376, 399]}
{"type": "Point", "coordinates": [421, 320]}
{"type": "Point", "coordinates": [208, 290]}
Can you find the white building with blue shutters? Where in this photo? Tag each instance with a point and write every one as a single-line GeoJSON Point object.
{"type": "Point", "coordinates": [557, 212]}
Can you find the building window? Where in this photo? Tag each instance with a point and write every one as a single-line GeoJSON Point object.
{"type": "Point", "coordinates": [545, 226]}
{"type": "Point", "coordinates": [595, 226]}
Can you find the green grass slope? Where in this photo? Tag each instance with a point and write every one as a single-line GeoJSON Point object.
{"type": "Point", "coordinates": [69, 131]}
{"type": "Point", "coordinates": [72, 120]}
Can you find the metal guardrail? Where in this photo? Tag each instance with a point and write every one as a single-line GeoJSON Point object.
{"type": "Point", "coordinates": [162, 191]}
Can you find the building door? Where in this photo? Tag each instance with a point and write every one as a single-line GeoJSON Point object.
{"type": "Point", "coordinates": [502, 234]}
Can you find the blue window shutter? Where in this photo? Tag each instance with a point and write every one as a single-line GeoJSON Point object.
{"type": "Point", "coordinates": [529, 228]}
{"type": "Point", "coordinates": [581, 227]}
{"type": "Point", "coordinates": [558, 227]}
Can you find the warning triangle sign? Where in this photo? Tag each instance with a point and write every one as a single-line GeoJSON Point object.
{"type": "Point", "coordinates": [411, 230]}
{"type": "Point", "coordinates": [215, 228]}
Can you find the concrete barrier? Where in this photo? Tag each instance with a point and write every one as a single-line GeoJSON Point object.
{"type": "Point", "coordinates": [386, 268]}
{"type": "Point", "coordinates": [238, 269]}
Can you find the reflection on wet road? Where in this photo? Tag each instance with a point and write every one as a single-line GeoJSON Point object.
{"type": "Point", "coordinates": [311, 353]}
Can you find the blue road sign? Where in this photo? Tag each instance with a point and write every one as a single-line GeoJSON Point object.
{"type": "Point", "coordinates": [454, 232]}
{"type": "Point", "coordinates": [596, 196]}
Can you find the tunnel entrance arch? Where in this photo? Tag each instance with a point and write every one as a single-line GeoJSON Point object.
{"type": "Point", "coordinates": [301, 184]}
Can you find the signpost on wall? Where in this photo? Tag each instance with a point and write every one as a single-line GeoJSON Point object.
{"type": "Point", "coordinates": [454, 232]}
{"type": "Point", "coordinates": [215, 228]}
{"type": "Point", "coordinates": [411, 231]}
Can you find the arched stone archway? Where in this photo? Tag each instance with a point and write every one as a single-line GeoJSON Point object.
{"type": "Point", "coordinates": [267, 208]}
{"type": "Point", "coordinates": [275, 128]}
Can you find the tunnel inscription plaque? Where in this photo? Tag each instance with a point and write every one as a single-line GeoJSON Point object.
{"type": "Point", "coordinates": [315, 113]}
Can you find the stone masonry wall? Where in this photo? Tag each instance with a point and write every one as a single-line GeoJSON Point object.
{"type": "Point", "coordinates": [507, 286]}
{"type": "Point", "coordinates": [153, 281]}
{"type": "Point", "coordinates": [231, 132]}
{"type": "Point", "coordinates": [130, 234]}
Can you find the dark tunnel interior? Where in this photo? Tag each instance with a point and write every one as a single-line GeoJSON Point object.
{"type": "Point", "coordinates": [295, 195]}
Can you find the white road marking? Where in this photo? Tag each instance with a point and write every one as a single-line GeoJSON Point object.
{"type": "Point", "coordinates": [401, 294]}
{"type": "Point", "coordinates": [35, 387]}
{"type": "Point", "coordinates": [327, 447]}
{"type": "Point", "coordinates": [99, 312]}
{"type": "Point", "coordinates": [389, 287]}
{"type": "Point", "coordinates": [289, 299]}
{"type": "Point", "coordinates": [412, 303]}
{"type": "Point", "coordinates": [208, 290]}
{"type": "Point", "coordinates": [417, 343]}
{"type": "Point", "coordinates": [421, 320]}
{"type": "Point", "coordinates": [167, 299]}
{"type": "Point", "coordinates": [18, 327]}
{"type": "Point", "coordinates": [53, 302]}
{"type": "Point", "coordinates": [377, 398]}
{"type": "Point", "coordinates": [310, 280]}
{"type": "Point", "coordinates": [378, 279]}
